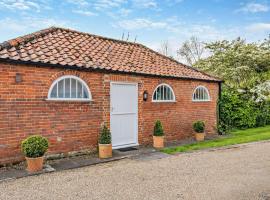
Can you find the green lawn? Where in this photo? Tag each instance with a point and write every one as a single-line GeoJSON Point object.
{"type": "Point", "coordinates": [236, 137]}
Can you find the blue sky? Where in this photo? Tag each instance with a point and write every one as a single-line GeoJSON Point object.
{"type": "Point", "coordinates": [152, 21]}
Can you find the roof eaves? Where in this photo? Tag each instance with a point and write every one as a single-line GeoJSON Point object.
{"type": "Point", "coordinates": [179, 63]}
{"type": "Point", "coordinates": [101, 69]}
{"type": "Point", "coordinates": [26, 38]}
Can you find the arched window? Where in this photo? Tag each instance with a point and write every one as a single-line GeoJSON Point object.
{"type": "Point", "coordinates": [201, 94]}
{"type": "Point", "coordinates": [69, 88]}
{"type": "Point", "coordinates": [163, 93]}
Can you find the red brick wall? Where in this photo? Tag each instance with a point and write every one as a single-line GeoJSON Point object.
{"type": "Point", "coordinates": [74, 126]}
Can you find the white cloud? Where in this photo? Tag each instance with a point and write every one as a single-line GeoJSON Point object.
{"type": "Point", "coordinates": [176, 27]}
{"type": "Point", "coordinates": [173, 2]}
{"type": "Point", "coordinates": [258, 27]}
{"type": "Point", "coordinates": [19, 4]}
{"type": "Point", "coordinates": [140, 23]}
{"type": "Point", "coordinates": [253, 8]}
{"type": "Point", "coordinates": [124, 12]}
{"type": "Point", "coordinates": [12, 28]}
{"type": "Point", "coordinates": [80, 3]}
{"type": "Point", "coordinates": [145, 3]}
{"type": "Point", "coordinates": [108, 4]}
{"type": "Point", "coordinates": [84, 12]}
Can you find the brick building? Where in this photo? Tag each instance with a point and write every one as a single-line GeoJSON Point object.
{"type": "Point", "coordinates": [63, 84]}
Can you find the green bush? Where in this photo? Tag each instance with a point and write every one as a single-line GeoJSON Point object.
{"type": "Point", "coordinates": [105, 136]}
{"type": "Point", "coordinates": [158, 129]}
{"type": "Point", "coordinates": [34, 146]}
{"type": "Point", "coordinates": [238, 110]}
{"type": "Point", "coordinates": [198, 126]}
{"type": "Point", "coordinates": [263, 116]}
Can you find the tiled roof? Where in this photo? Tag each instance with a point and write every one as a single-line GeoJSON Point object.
{"type": "Point", "coordinates": [59, 46]}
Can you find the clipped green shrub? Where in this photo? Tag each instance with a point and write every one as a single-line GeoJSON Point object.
{"type": "Point", "coordinates": [158, 129]}
{"type": "Point", "coordinates": [34, 146]}
{"type": "Point", "coordinates": [199, 126]}
{"type": "Point", "coordinates": [105, 136]}
{"type": "Point", "coordinates": [239, 110]}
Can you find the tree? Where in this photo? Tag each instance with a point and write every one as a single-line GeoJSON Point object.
{"type": "Point", "coordinates": [242, 65]}
{"type": "Point", "coordinates": [165, 49]}
{"type": "Point", "coordinates": [245, 68]}
{"type": "Point", "coordinates": [192, 50]}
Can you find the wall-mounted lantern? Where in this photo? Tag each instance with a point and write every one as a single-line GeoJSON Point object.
{"type": "Point", "coordinates": [145, 95]}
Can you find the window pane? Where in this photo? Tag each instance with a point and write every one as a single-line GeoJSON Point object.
{"type": "Point", "coordinates": [162, 92]}
{"type": "Point", "coordinates": [79, 90]}
{"type": "Point", "coordinates": [165, 93]}
{"type": "Point", "coordinates": [67, 88]}
{"type": "Point", "coordinates": [205, 97]}
{"type": "Point", "coordinates": [61, 89]}
{"type": "Point", "coordinates": [158, 94]}
{"type": "Point", "coordinates": [73, 88]}
{"type": "Point", "coordinates": [170, 95]}
{"type": "Point", "coordinates": [197, 94]}
{"type": "Point", "coordinates": [85, 93]}
{"type": "Point", "coordinates": [155, 95]}
{"type": "Point", "coordinates": [54, 92]}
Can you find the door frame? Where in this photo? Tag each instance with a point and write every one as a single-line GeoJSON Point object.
{"type": "Point", "coordinates": [136, 115]}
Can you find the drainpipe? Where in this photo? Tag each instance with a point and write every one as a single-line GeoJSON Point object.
{"type": "Point", "coordinates": [219, 98]}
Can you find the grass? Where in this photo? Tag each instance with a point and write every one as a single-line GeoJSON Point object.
{"type": "Point", "coordinates": [236, 137]}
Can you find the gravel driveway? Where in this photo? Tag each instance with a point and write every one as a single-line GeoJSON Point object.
{"type": "Point", "coordinates": [237, 173]}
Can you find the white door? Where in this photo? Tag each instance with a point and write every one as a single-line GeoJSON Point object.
{"type": "Point", "coordinates": [124, 114]}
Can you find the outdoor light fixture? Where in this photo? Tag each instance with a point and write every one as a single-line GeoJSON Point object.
{"type": "Point", "coordinates": [145, 95]}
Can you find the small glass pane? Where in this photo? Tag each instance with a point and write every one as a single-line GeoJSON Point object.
{"type": "Point", "coordinates": [165, 93]}
{"type": "Point", "coordinates": [79, 90]}
{"type": "Point", "coordinates": [73, 88]}
{"type": "Point", "coordinates": [67, 88]}
{"type": "Point", "coordinates": [54, 92]}
{"type": "Point", "coordinates": [158, 93]}
{"type": "Point", "coordinates": [61, 89]}
{"type": "Point", "coordinates": [85, 93]}
{"type": "Point", "coordinates": [170, 95]}
{"type": "Point", "coordinates": [205, 97]}
{"type": "Point", "coordinates": [196, 94]}
{"type": "Point", "coordinates": [162, 92]}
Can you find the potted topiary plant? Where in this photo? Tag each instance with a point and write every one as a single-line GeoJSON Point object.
{"type": "Point", "coordinates": [105, 143]}
{"type": "Point", "coordinates": [34, 148]}
{"type": "Point", "coordinates": [158, 137]}
{"type": "Point", "coordinates": [199, 127]}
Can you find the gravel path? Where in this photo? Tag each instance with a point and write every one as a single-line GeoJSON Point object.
{"type": "Point", "coordinates": [237, 173]}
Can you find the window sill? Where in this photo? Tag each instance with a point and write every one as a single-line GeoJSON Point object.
{"type": "Point", "coordinates": [201, 100]}
{"type": "Point", "coordinates": [70, 100]}
{"type": "Point", "coordinates": [164, 101]}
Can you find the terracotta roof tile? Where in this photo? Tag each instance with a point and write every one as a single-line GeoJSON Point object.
{"type": "Point", "coordinates": [67, 47]}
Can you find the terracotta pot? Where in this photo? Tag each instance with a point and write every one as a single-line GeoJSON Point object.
{"type": "Point", "coordinates": [158, 141]}
{"type": "Point", "coordinates": [34, 164]}
{"type": "Point", "coordinates": [199, 136]}
{"type": "Point", "coordinates": [105, 150]}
